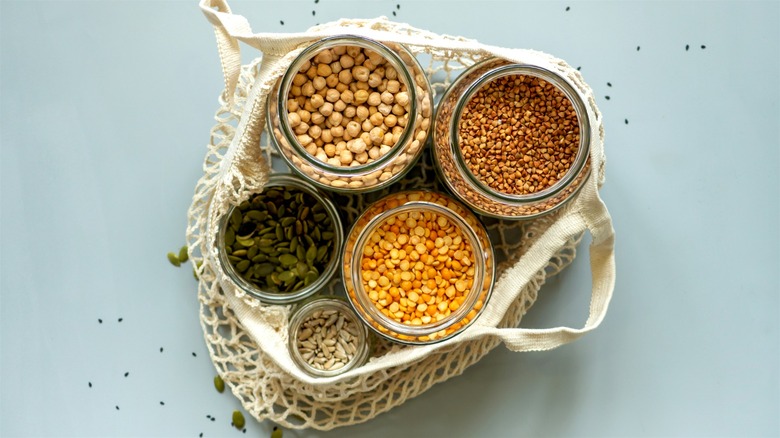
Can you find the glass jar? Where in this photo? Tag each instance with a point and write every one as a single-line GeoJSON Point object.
{"type": "Point", "coordinates": [337, 322]}
{"type": "Point", "coordinates": [268, 253]}
{"type": "Point", "coordinates": [382, 164]}
{"type": "Point", "coordinates": [403, 310]}
{"type": "Point", "coordinates": [471, 189]}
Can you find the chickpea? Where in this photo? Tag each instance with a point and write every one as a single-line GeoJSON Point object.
{"type": "Point", "coordinates": [318, 83]}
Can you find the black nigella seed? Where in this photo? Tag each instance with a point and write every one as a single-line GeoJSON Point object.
{"type": "Point", "coordinates": [703, 47]}
{"type": "Point", "coordinates": [626, 121]}
{"type": "Point", "coordinates": [687, 46]}
{"type": "Point", "coordinates": [313, 13]}
{"type": "Point", "coordinates": [119, 320]}
{"type": "Point", "coordinates": [208, 416]}
{"type": "Point", "coordinates": [117, 407]}
{"type": "Point", "coordinates": [398, 6]}
{"type": "Point", "coordinates": [194, 355]}
{"type": "Point", "coordinates": [127, 373]}
{"type": "Point", "coordinates": [162, 403]}
{"type": "Point", "coordinates": [201, 434]}
{"type": "Point", "coordinates": [567, 8]}
{"type": "Point", "coordinates": [214, 419]}
{"type": "Point", "coordinates": [100, 321]}
{"type": "Point", "coordinates": [244, 431]}
{"type": "Point", "coordinates": [606, 97]}
{"type": "Point", "coordinates": [161, 349]}
{"type": "Point", "coordinates": [282, 23]}
{"type": "Point", "coordinates": [609, 84]}
{"type": "Point", "coordinates": [90, 384]}
{"type": "Point", "coordinates": [637, 48]}
{"type": "Point", "coordinates": [578, 68]}
{"type": "Point", "coordinates": [394, 14]}
{"type": "Point", "coordinates": [316, 1]}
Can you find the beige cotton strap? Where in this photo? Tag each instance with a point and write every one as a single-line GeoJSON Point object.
{"type": "Point", "coordinates": [589, 212]}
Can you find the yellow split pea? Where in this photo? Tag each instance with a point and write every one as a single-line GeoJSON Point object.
{"type": "Point", "coordinates": [417, 268]}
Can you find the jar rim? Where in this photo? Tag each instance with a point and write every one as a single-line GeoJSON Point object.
{"type": "Point", "coordinates": [326, 302]}
{"type": "Point", "coordinates": [480, 252]}
{"type": "Point", "coordinates": [514, 69]}
{"type": "Point", "coordinates": [284, 180]}
{"type": "Point", "coordinates": [284, 84]}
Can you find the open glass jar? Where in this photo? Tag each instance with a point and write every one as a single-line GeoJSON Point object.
{"type": "Point", "coordinates": [283, 244]}
{"type": "Point", "coordinates": [351, 114]}
{"type": "Point", "coordinates": [493, 175]}
{"type": "Point", "coordinates": [418, 267]}
{"type": "Point", "coordinates": [326, 338]}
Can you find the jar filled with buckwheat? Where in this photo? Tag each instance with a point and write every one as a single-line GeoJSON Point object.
{"type": "Point", "coordinates": [351, 114]}
{"type": "Point", "coordinates": [512, 140]}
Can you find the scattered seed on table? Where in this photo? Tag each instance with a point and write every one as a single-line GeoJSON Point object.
{"type": "Point", "coordinates": [201, 434]}
{"type": "Point", "coordinates": [119, 320]}
{"type": "Point", "coordinates": [519, 134]}
{"type": "Point", "coordinates": [161, 349]}
{"type": "Point", "coordinates": [637, 48]}
{"type": "Point", "coordinates": [277, 433]}
{"type": "Point", "coordinates": [183, 255]}
{"type": "Point", "coordinates": [90, 384]}
{"type": "Point", "coordinates": [626, 121]}
{"type": "Point", "coordinates": [194, 355]}
{"type": "Point", "coordinates": [609, 84]}
{"type": "Point", "coordinates": [703, 46]}
{"type": "Point", "coordinates": [578, 68]}
{"type": "Point", "coordinates": [173, 259]}
{"type": "Point", "coordinates": [567, 8]}
{"type": "Point", "coordinates": [127, 373]}
{"type": "Point", "coordinates": [313, 13]}
{"type": "Point", "coordinates": [162, 403]}
{"type": "Point", "coordinates": [117, 407]}
{"type": "Point", "coordinates": [238, 420]}
{"type": "Point", "coordinates": [606, 97]}
{"type": "Point", "coordinates": [100, 321]}
{"type": "Point", "coordinates": [244, 431]}
{"type": "Point", "coordinates": [687, 46]}
{"type": "Point", "coordinates": [281, 22]}
{"type": "Point", "coordinates": [219, 384]}
{"type": "Point", "coordinates": [398, 6]}
{"type": "Point", "coordinates": [394, 14]}
{"type": "Point", "coordinates": [213, 418]}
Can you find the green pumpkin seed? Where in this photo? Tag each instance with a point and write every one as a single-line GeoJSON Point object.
{"type": "Point", "coordinates": [173, 259]}
{"type": "Point", "coordinates": [245, 242]}
{"type": "Point", "coordinates": [240, 253]}
{"type": "Point", "coordinates": [183, 256]}
{"type": "Point", "coordinates": [310, 278]}
{"type": "Point", "coordinates": [328, 235]}
{"type": "Point", "coordinates": [252, 252]}
{"type": "Point", "coordinates": [264, 269]}
{"type": "Point", "coordinates": [287, 221]}
{"type": "Point", "coordinates": [321, 253]}
{"type": "Point", "coordinates": [257, 215]}
{"type": "Point", "coordinates": [272, 193]}
{"type": "Point", "coordinates": [219, 384]}
{"type": "Point", "coordinates": [293, 245]}
{"type": "Point", "coordinates": [242, 265]}
{"type": "Point", "coordinates": [300, 252]}
{"type": "Point", "coordinates": [259, 258]}
{"type": "Point", "coordinates": [271, 207]}
{"type": "Point", "coordinates": [277, 433]}
{"type": "Point", "coordinates": [280, 211]}
{"type": "Point", "coordinates": [287, 276]}
{"type": "Point", "coordinates": [235, 218]}
{"type": "Point", "coordinates": [266, 242]}
{"type": "Point", "coordinates": [238, 420]}
{"type": "Point", "coordinates": [230, 237]}
{"type": "Point", "coordinates": [319, 217]}
{"type": "Point", "coordinates": [279, 232]}
{"type": "Point", "coordinates": [288, 259]}
{"type": "Point", "coordinates": [311, 254]}
{"type": "Point", "coordinates": [316, 234]}
{"type": "Point", "coordinates": [304, 213]}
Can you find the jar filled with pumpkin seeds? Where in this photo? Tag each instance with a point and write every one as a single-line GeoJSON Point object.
{"type": "Point", "coordinates": [282, 244]}
{"type": "Point", "coordinates": [326, 338]}
{"type": "Point", "coordinates": [351, 114]}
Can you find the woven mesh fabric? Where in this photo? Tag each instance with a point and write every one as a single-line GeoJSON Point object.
{"type": "Point", "coordinates": [236, 165]}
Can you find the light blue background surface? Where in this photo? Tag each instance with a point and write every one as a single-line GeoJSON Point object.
{"type": "Point", "coordinates": [106, 110]}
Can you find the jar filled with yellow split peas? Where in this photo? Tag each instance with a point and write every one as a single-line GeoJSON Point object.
{"type": "Point", "coordinates": [418, 267]}
{"type": "Point", "coordinates": [351, 114]}
{"type": "Point", "coordinates": [512, 141]}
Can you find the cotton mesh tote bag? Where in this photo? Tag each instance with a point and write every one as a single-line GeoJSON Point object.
{"type": "Point", "coordinates": [247, 339]}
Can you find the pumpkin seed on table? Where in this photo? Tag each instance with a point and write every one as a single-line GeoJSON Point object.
{"type": "Point", "coordinates": [280, 240]}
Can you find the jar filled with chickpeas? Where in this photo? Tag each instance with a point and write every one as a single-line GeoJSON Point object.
{"type": "Point", "coordinates": [351, 114]}
{"type": "Point", "coordinates": [418, 267]}
{"type": "Point", "coordinates": [512, 141]}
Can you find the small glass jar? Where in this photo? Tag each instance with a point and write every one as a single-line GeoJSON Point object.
{"type": "Point", "coordinates": [453, 170]}
{"type": "Point", "coordinates": [381, 314]}
{"type": "Point", "coordinates": [337, 322]}
{"type": "Point", "coordinates": [375, 173]}
{"type": "Point", "coordinates": [268, 296]}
